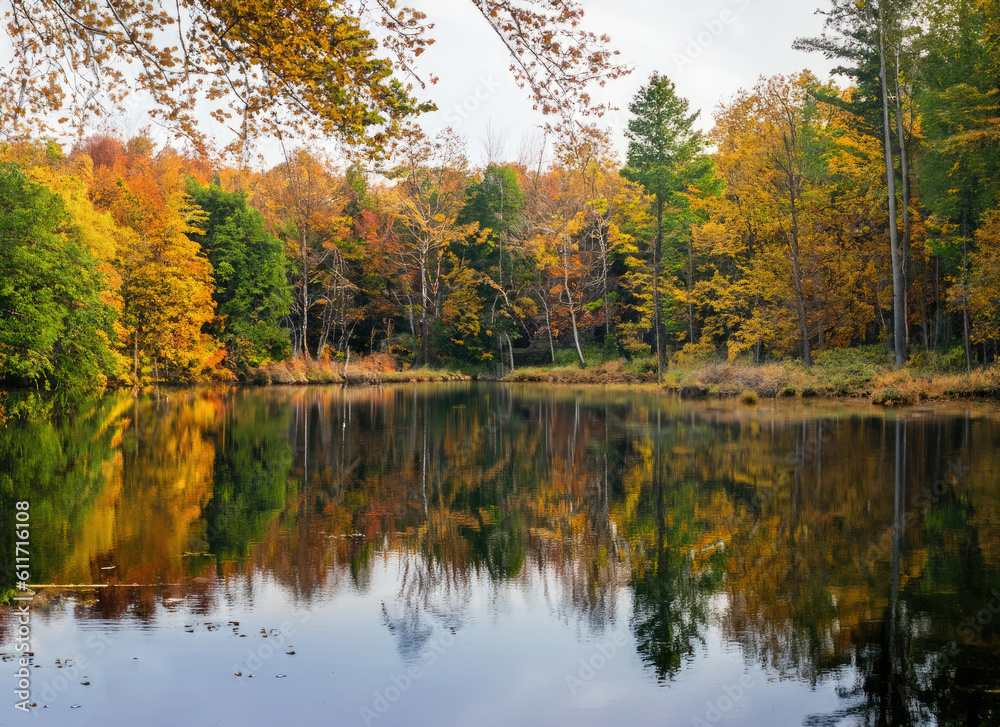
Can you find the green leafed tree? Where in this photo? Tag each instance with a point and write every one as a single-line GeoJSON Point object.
{"type": "Point", "coordinates": [252, 294]}
{"type": "Point", "coordinates": [54, 329]}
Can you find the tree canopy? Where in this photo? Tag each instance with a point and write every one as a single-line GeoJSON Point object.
{"type": "Point", "coordinates": [340, 68]}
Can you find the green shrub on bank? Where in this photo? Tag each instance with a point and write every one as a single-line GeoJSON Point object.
{"type": "Point", "coordinates": [949, 361]}
{"type": "Point", "coordinates": [892, 397]}
{"type": "Point", "coordinates": [849, 371]}
{"type": "Point", "coordinates": [640, 365]}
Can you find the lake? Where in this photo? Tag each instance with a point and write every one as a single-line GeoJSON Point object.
{"type": "Point", "coordinates": [484, 554]}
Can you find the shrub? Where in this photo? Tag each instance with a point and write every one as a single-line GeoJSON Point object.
{"type": "Point", "coordinates": [640, 365]}
{"type": "Point", "coordinates": [789, 391]}
{"type": "Point", "coordinates": [749, 398]}
{"type": "Point", "coordinates": [892, 397]}
{"type": "Point", "coordinates": [258, 377]}
{"type": "Point", "coordinates": [942, 362]}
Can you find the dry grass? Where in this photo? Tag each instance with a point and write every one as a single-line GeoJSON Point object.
{"type": "Point", "coordinates": [882, 384]}
{"type": "Point", "coordinates": [732, 379]}
{"type": "Point", "coordinates": [613, 372]}
{"type": "Point", "coordinates": [843, 375]}
{"type": "Point", "coordinates": [375, 363]}
{"type": "Point", "coordinates": [296, 371]}
{"type": "Point", "coordinates": [910, 386]}
{"type": "Point", "coordinates": [413, 376]}
{"type": "Point", "coordinates": [371, 370]}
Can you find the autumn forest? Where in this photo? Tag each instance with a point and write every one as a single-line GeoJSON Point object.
{"type": "Point", "coordinates": [776, 235]}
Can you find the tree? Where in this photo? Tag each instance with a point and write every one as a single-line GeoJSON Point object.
{"type": "Point", "coordinates": [166, 287]}
{"type": "Point", "coordinates": [251, 290]}
{"type": "Point", "coordinates": [983, 297]}
{"type": "Point", "coordinates": [281, 68]}
{"type": "Point", "coordinates": [55, 331]}
{"type": "Point", "coordinates": [781, 101]}
{"type": "Point", "coordinates": [497, 203]}
{"type": "Point", "coordinates": [867, 35]}
{"type": "Point", "coordinates": [960, 71]}
{"type": "Point", "coordinates": [429, 198]}
{"type": "Point", "coordinates": [574, 236]}
{"type": "Point", "coordinates": [304, 202]}
{"type": "Point", "coordinates": [667, 156]}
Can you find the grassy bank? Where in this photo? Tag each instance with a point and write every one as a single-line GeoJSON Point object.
{"type": "Point", "coordinates": [855, 373]}
{"type": "Point", "coordinates": [864, 373]}
{"type": "Point", "coordinates": [370, 370]}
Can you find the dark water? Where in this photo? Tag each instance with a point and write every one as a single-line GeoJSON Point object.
{"type": "Point", "coordinates": [483, 555]}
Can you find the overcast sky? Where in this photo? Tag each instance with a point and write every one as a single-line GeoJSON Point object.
{"type": "Point", "coordinates": [709, 48]}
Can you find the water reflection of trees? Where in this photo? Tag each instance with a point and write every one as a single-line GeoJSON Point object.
{"type": "Point", "coordinates": [787, 529]}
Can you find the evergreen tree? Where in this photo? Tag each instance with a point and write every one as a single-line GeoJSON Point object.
{"type": "Point", "coordinates": [666, 155]}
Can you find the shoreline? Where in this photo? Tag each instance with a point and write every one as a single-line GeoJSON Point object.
{"type": "Point", "coordinates": [851, 380]}
{"type": "Point", "coordinates": [706, 381]}
{"type": "Point", "coordinates": [854, 381]}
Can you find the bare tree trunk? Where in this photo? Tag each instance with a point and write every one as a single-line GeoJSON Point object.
{"type": "Point", "coordinates": [898, 281]}
{"type": "Point", "coordinates": [690, 288]}
{"type": "Point", "coordinates": [904, 162]}
{"type": "Point", "coordinates": [548, 325]}
{"type": "Point", "coordinates": [135, 354]}
{"type": "Point", "coordinates": [800, 303]}
{"type": "Point", "coordinates": [422, 335]}
{"type": "Point", "coordinates": [304, 323]}
{"type": "Point", "coordinates": [965, 293]}
{"type": "Point", "coordinates": [657, 323]}
{"type": "Point", "coordinates": [572, 306]}
{"type": "Point", "coordinates": [937, 302]}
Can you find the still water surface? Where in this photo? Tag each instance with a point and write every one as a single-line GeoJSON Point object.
{"type": "Point", "coordinates": [477, 555]}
